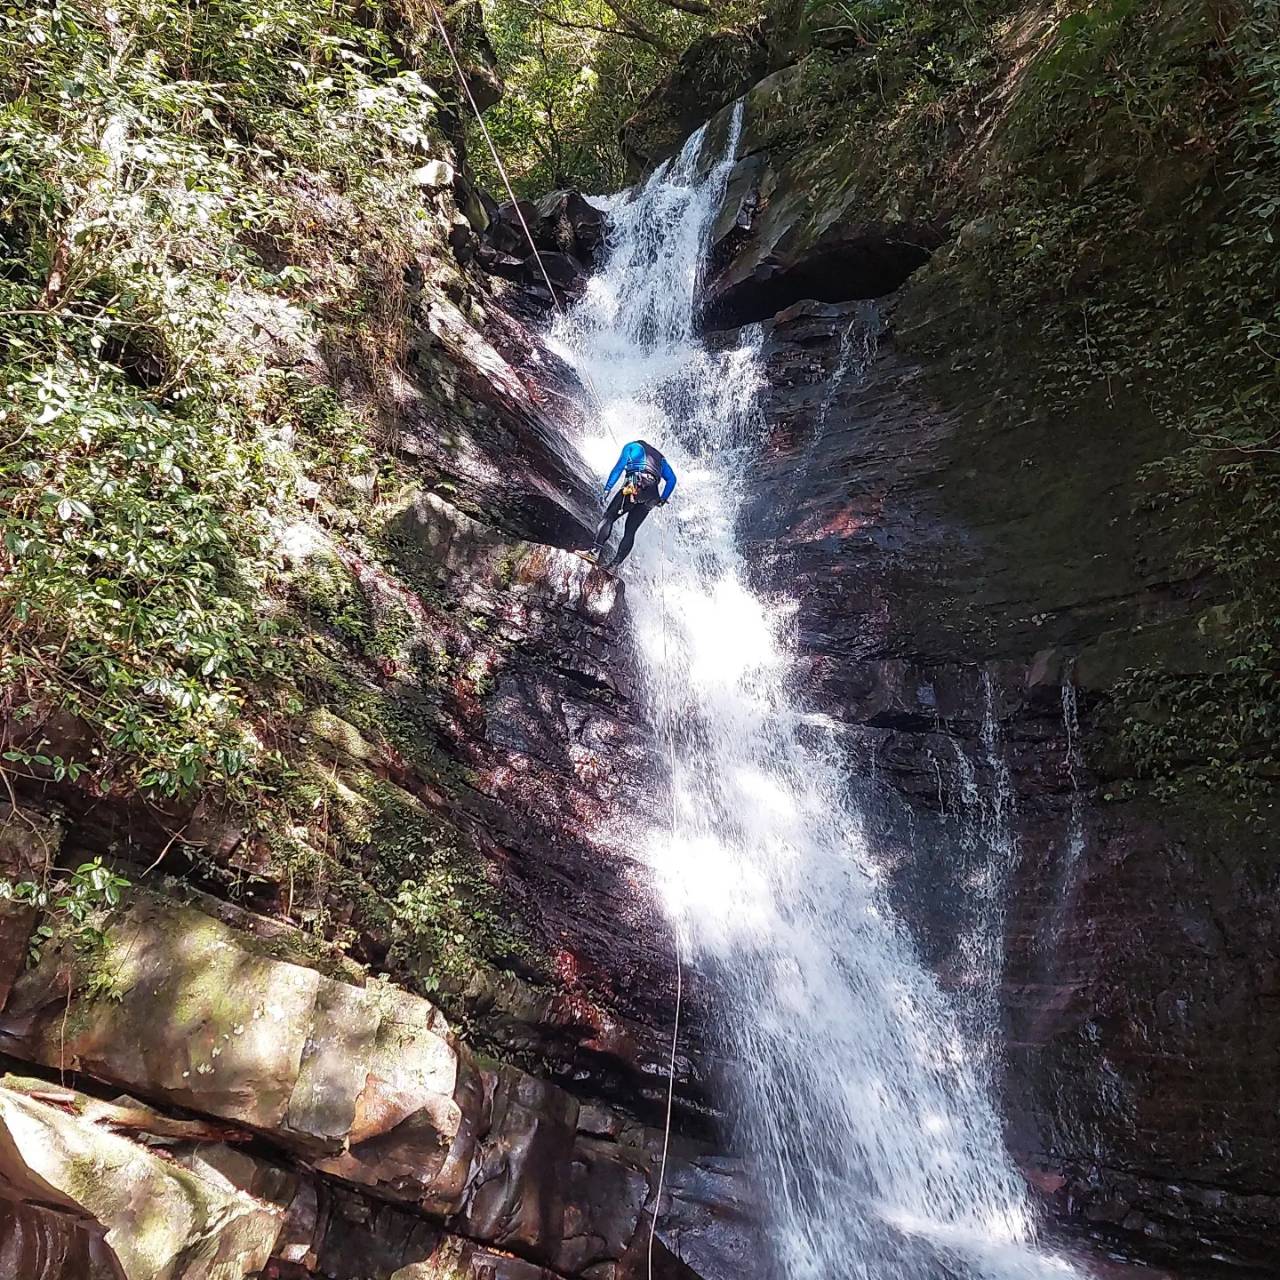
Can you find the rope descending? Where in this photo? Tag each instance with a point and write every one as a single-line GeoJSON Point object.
{"type": "Point", "coordinates": [675, 1026]}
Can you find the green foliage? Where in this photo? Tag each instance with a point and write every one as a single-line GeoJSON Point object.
{"type": "Point", "coordinates": [1084, 40]}
{"type": "Point", "coordinates": [448, 922]}
{"type": "Point", "coordinates": [328, 590]}
{"type": "Point", "coordinates": [574, 71]}
{"type": "Point", "coordinates": [1219, 731]}
{"type": "Point", "coordinates": [567, 94]}
{"type": "Point", "coordinates": [390, 866]}
{"type": "Point", "coordinates": [886, 86]}
{"type": "Point", "coordinates": [128, 591]}
{"type": "Point", "coordinates": [202, 206]}
{"type": "Point", "coordinates": [73, 906]}
{"type": "Point", "coordinates": [159, 165]}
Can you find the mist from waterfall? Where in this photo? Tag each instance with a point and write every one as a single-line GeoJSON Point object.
{"type": "Point", "coordinates": [858, 1094]}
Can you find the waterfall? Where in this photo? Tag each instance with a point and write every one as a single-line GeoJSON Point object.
{"type": "Point", "coordinates": [856, 1094]}
{"type": "Point", "coordinates": [1071, 759]}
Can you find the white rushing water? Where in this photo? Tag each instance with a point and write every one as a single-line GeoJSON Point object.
{"type": "Point", "coordinates": [859, 1099]}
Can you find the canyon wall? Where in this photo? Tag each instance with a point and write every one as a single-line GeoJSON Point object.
{"type": "Point", "coordinates": [967, 526]}
{"type": "Point", "coordinates": [405, 1013]}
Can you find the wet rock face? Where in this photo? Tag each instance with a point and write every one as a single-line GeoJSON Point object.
{"type": "Point", "coordinates": [795, 226]}
{"type": "Point", "coordinates": [524, 736]}
{"type": "Point", "coordinates": [963, 563]}
{"type": "Point", "coordinates": [557, 757]}
{"type": "Point", "coordinates": [472, 416]}
{"type": "Point", "coordinates": [568, 233]}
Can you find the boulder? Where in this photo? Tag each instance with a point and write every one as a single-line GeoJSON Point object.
{"type": "Point", "coordinates": [564, 273]}
{"type": "Point", "coordinates": [501, 262]}
{"type": "Point", "coordinates": [517, 1181]}
{"type": "Point", "coordinates": [566, 230]}
{"type": "Point", "coordinates": [435, 174]}
{"type": "Point", "coordinates": [508, 230]}
{"type": "Point", "coordinates": [459, 1260]}
{"type": "Point", "coordinates": [121, 1211]}
{"type": "Point", "coordinates": [200, 1020]}
{"type": "Point", "coordinates": [365, 1085]}
{"type": "Point", "coordinates": [570, 223]}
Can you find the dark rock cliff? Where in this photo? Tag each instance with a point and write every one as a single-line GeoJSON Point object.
{"type": "Point", "coordinates": [949, 588]}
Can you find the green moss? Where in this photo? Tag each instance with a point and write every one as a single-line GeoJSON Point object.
{"type": "Point", "coordinates": [325, 588]}
{"type": "Point", "coordinates": [364, 856]}
{"type": "Point", "coordinates": [449, 916]}
{"type": "Point", "coordinates": [82, 1179]}
{"type": "Point", "coordinates": [1118, 255]}
{"type": "Point", "coordinates": [394, 632]}
{"type": "Point", "coordinates": [505, 574]}
{"type": "Point", "coordinates": [104, 969]}
{"type": "Point", "coordinates": [1151, 283]}
{"type": "Point", "coordinates": [209, 992]}
{"type": "Point", "coordinates": [311, 951]}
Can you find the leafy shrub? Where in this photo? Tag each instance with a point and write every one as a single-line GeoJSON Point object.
{"type": "Point", "coordinates": [159, 165]}
{"type": "Point", "coordinates": [73, 906]}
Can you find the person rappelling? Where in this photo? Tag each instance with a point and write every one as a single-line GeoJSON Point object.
{"type": "Point", "coordinates": [647, 482]}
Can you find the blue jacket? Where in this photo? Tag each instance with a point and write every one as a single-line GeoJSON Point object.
{"type": "Point", "coordinates": [634, 458]}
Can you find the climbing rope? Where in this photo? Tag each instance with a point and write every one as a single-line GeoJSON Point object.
{"type": "Point", "coordinates": [671, 1090]}
{"type": "Point", "coordinates": [675, 1026]}
{"type": "Point", "coordinates": [515, 204]}
{"type": "Point", "coordinates": [493, 151]}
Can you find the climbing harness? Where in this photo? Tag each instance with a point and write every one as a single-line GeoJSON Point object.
{"type": "Point", "coordinates": [675, 1026]}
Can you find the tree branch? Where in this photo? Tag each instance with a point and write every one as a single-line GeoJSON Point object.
{"type": "Point", "coordinates": [636, 28]}
{"type": "Point", "coordinates": [627, 30]}
{"type": "Point", "coordinates": [696, 7]}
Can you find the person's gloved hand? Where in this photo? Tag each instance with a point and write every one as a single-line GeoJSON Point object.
{"type": "Point", "coordinates": [662, 502]}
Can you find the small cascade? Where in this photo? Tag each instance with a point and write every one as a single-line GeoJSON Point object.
{"type": "Point", "coordinates": [1071, 731]}
{"type": "Point", "coordinates": [988, 849]}
{"type": "Point", "coordinates": [859, 342]}
{"type": "Point", "coordinates": [998, 807]}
